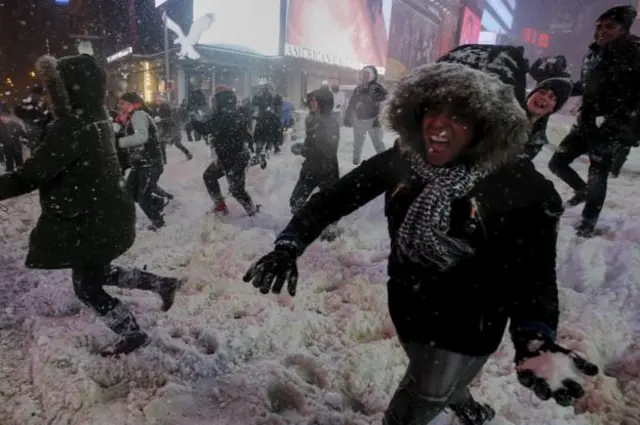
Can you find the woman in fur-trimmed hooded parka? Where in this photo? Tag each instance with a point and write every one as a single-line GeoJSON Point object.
{"type": "Point", "coordinates": [473, 238]}
{"type": "Point", "coordinates": [87, 218]}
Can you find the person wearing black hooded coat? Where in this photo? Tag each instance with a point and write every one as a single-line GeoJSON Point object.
{"type": "Point", "coordinates": [88, 218]}
{"type": "Point", "coordinates": [454, 253]}
{"type": "Point", "coordinates": [319, 149]}
{"type": "Point", "coordinates": [267, 132]}
{"type": "Point", "coordinates": [610, 89]}
{"type": "Point", "coordinates": [229, 135]}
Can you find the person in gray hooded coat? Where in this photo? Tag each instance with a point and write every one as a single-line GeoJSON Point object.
{"type": "Point", "coordinates": [363, 112]}
{"type": "Point", "coordinates": [466, 219]}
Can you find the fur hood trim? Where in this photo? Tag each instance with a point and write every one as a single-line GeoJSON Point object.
{"type": "Point", "coordinates": [47, 68]}
{"type": "Point", "coordinates": [502, 127]}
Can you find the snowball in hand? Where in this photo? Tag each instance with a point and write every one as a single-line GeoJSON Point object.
{"type": "Point", "coordinates": [555, 374]}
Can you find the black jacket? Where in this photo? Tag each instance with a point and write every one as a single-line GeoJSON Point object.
{"type": "Point", "coordinates": [364, 103]}
{"type": "Point", "coordinates": [512, 276]}
{"type": "Point", "coordinates": [87, 217]}
{"type": "Point", "coordinates": [610, 84]}
{"type": "Point", "coordinates": [537, 138]}
{"type": "Point", "coordinates": [510, 218]}
{"type": "Point", "coordinates": [228, 132]}
{"type": "Point", "coordinates": [320, 147]}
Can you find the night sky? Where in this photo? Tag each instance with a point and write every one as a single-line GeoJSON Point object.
{"type": "Point", "coordinates": [26, 25]}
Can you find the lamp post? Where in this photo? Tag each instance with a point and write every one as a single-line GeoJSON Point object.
{"type": "Point", "coordinates": [167, 69]}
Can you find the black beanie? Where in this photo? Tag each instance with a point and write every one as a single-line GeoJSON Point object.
{"type": "Point", "coordinates": [624, 15]}
{"type": "Point", "coordinates": [505, 62]}
{"type": "Point", "coordinates": [562, 87]}
{"type": "Point", "coordinates": [132, 97]}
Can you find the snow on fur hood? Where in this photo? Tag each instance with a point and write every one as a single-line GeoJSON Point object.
{"type": "Point", "coordinates": [502, 127]}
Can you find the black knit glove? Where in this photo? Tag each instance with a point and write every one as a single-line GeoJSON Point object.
{"type": "Point", "coordinates": [271, 272]}
{"type": "Point", "coordinates": [549, 370]}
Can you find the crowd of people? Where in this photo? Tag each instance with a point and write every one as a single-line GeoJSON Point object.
{"type": "Point", "coordinates": [468, 212]}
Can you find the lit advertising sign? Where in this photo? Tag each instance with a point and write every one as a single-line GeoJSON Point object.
{"type": "Point", "coordinates": [349, 33]}
{"type": "Point", "coordinates": [251, 26]}
{"type": "Point", "coordinates": [471, 26]}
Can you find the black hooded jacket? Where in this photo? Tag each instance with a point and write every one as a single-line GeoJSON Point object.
{"type": "Point", "coordinates": [320, 147]}
{"type": "Point", "coordinates": [510, 218]}
{"type": "Point", "coordinates": [610, 83]}
{"type": "Point", "coordinates": [549, 67]}
{"type": "Point", "coordinates": [87, 217]}
{"type": "Point", "coordinates": [364, 103]}
{"type": "Point", "coordinates": [228, 131]}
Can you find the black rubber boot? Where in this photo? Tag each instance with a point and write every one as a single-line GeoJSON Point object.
{"type": "Point", "coordinates": [474, 413]}
{"type": "Point", "coordinates": [130, 337]}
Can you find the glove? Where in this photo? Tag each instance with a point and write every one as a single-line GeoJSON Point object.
{"type": "Point", "coordinates": [549, 370]}
{"type": "Point", "coordinates": [297, 149]}
{"type": "Point", "coordinates": [274, 269]}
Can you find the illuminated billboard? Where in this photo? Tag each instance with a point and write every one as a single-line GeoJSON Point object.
{"type": "Point", "coordinates": [471, 26]}
{"type": "Point", "coordinates": [350, 33]}
{"type": "Point", "coordinates": [250, 26]}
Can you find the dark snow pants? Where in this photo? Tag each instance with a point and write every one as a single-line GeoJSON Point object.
{"type": "Point", "coordinates": [89, 282]}
{"type": "Point", "coordinates": [306, 184]}
{"type": "Point", "coordinates": [12, 156]}
{"type": "Point", "coordinates": [236, 175]}
{"type": "Point", "coordinates": [580, 141]}
{"type": "Point", "coordinates": [142, 184]}
{"type": "Point", "coordinates": [178, 144]}
{"type": "Point", "coordinates": [268, 135]}
{"type": "Point", "coordinates": [434, 379]}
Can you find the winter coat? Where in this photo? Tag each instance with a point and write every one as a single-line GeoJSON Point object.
{"type": "Point", "coordinates": [537, 138]}
{"type": "Point", "coordinates": [141, 140]}
{"type": "Point", "coordinates": [87, 217]}
{"type": "Point", "coordinates": [510, 218]}
{"type": "Point", "coordinates": [228, 132]}
{"type": "Point", "coordinates": [610, 87]}
{"type": "Point", "coordinates": [35, 118]}
{"type": "Point", "coordinates": [169, 129]}
{"type": "Point", "coordinates": [365, 100]}
{"type": "Point", "coordinates": [12, 132]}
{"type": "Point", "coordinates": [320, 147]}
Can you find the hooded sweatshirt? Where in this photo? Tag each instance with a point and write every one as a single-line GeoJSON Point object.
{"type": "Point", "coordinates": [320, 147]}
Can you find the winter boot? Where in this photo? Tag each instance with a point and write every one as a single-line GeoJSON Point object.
{"type": "Point", "coordinates": [220, 208]}
{"type": "Point", "coordinates": [130, 336]}
{"type": "Point", "coordinates": [585, 229]}
{"type": "Point", "coordinates": [330, 233]}
{"type": "Point", "coordinates": [474, 413]}
{"type": "Point", "coordinates": [163, 286]}
{"type": "Point", "coordinates": [577, 199]}
{"type": "Point", "coordinates": [158, 224]}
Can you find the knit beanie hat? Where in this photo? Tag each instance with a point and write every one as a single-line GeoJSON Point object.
{"type": "Point", "coordinates": [562, 87]}
{"type": "Point", "coordinates": [624, 15]}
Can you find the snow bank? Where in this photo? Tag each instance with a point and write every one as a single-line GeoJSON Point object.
{"type": "Point", "coordinates": [225, 354]}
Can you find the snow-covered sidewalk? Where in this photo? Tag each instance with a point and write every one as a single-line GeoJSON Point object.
{"type": "Point", "coordinates": [227, 355]}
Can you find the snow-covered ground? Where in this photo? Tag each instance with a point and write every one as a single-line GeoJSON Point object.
{"type": "Point", "coordinates": [225, 354]}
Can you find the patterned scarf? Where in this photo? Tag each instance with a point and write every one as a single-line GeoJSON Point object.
{"type": "Point", "coordinates": [423, 233]}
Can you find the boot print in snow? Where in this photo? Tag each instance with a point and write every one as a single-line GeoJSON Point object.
{"type": "Point", "coordinates": [130, 337]}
